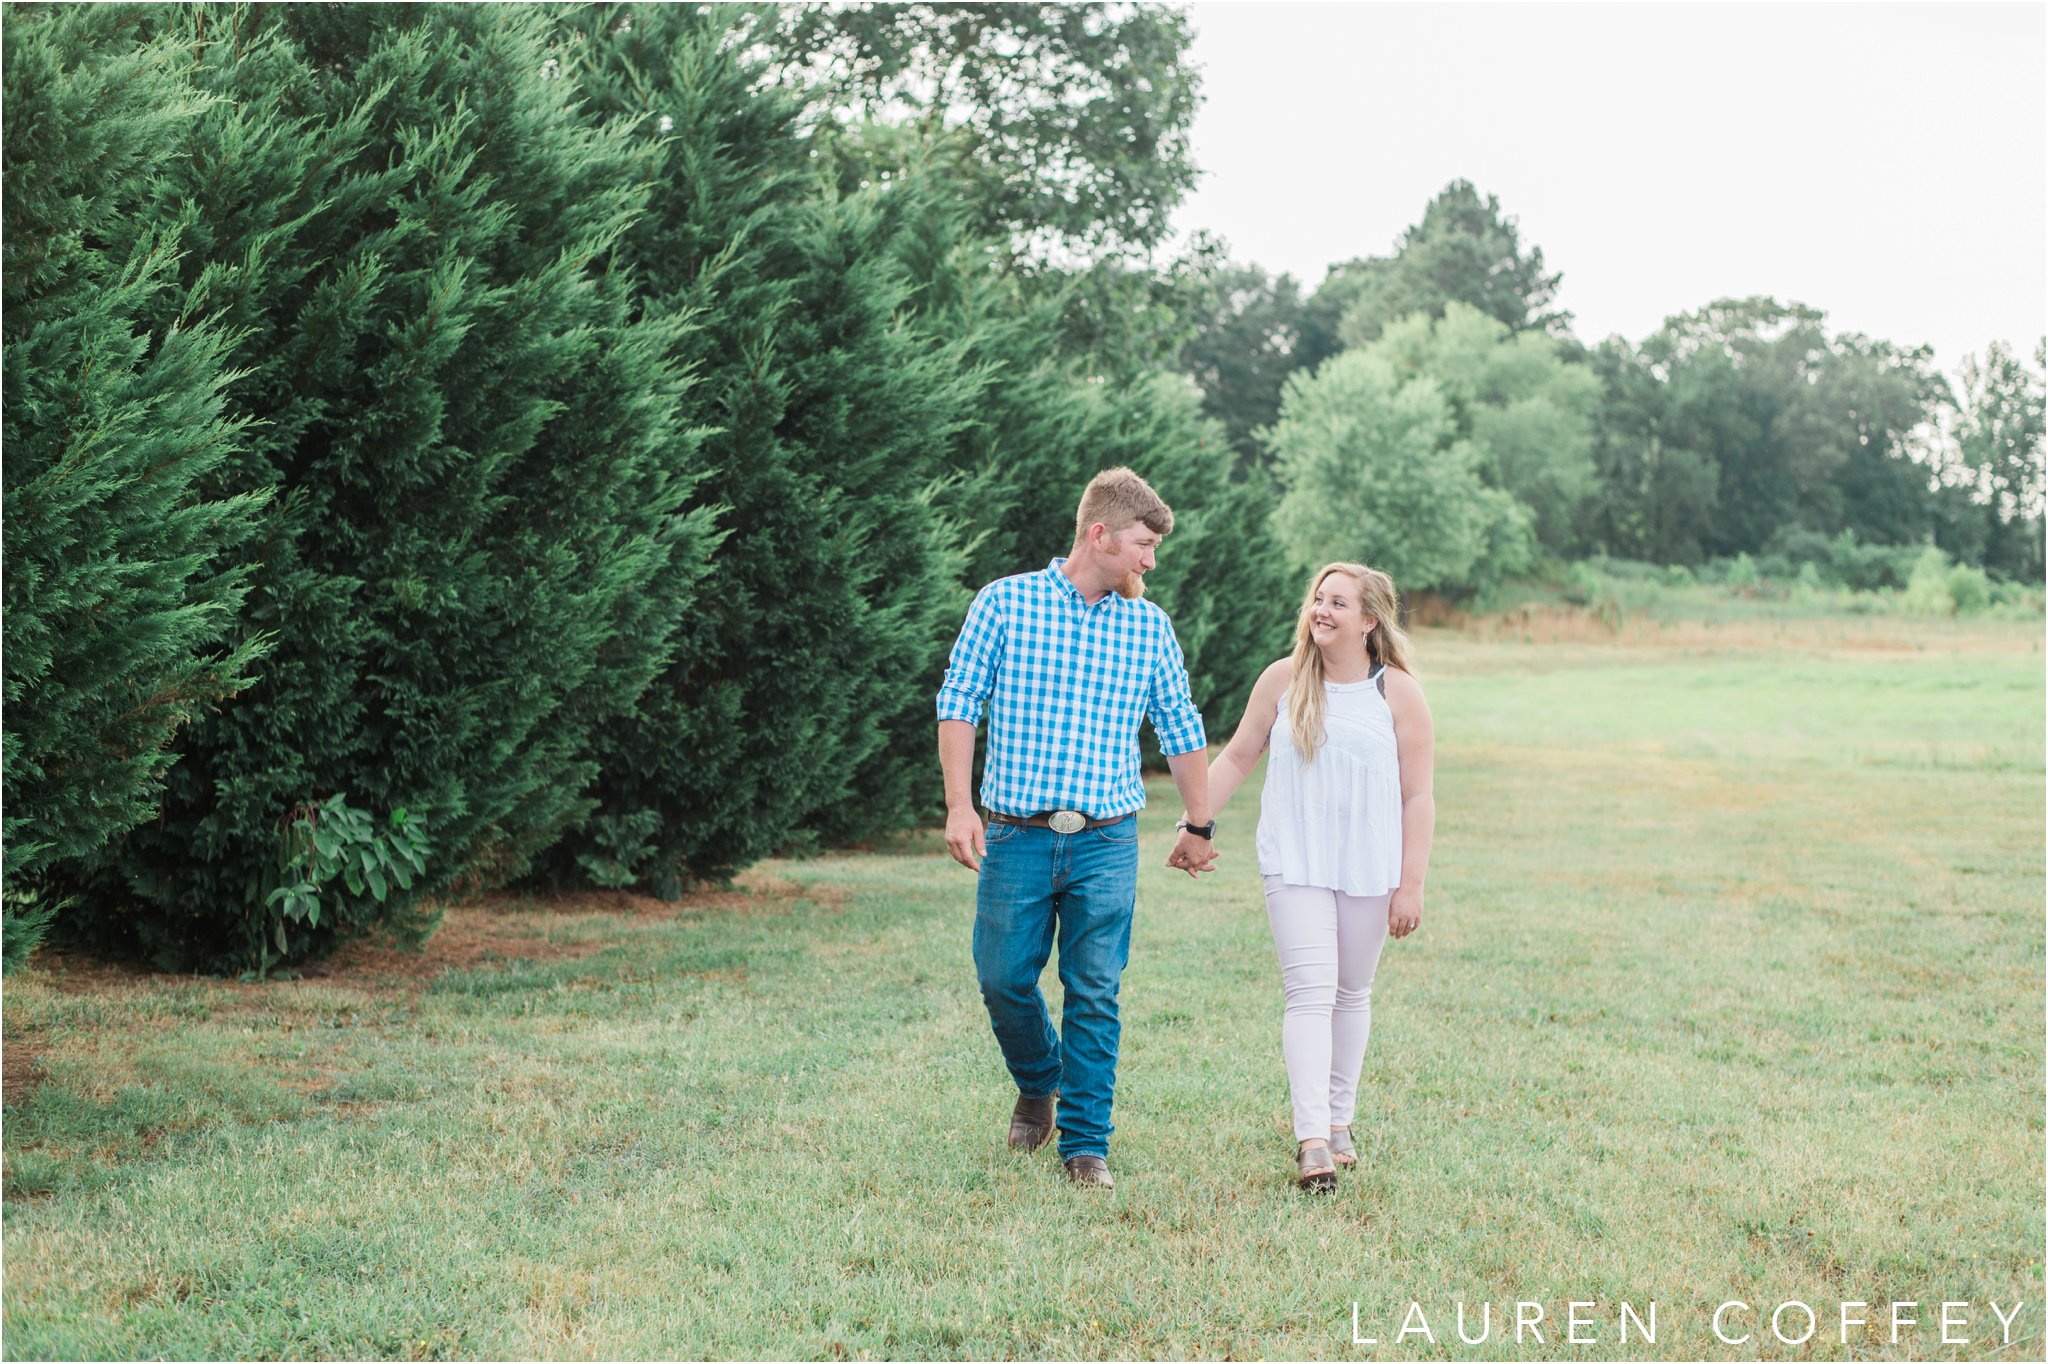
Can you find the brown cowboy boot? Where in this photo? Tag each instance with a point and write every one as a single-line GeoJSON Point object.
{"type": "Point", "coordinates": [1090, 1172]}
{"type": "Point", "coordinates": [1031, 1122]}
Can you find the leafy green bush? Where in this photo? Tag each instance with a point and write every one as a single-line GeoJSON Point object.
{"type": "Point", "coordinates": [1969, 588]}
{"type": "Point", "coordinates": [1841, 560]}
{"type": "Point", "coordinates": [2019, 599]}
{"type": "Point", "coordinates": [1582, 584]}
{"type": "Point", "coordinates": [1628, 570]}
{"type": "Point", "coordinates": [1927, 588]}
{"type": "Point", "coordinates": [332, 857]}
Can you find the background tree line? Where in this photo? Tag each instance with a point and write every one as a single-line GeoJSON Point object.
{"type": "Point", "coordinates": [1438, 396]}
{"type": "Point", "coordinates": [450, 447]}
{"type": "Point", "coordinates": [568, 434]}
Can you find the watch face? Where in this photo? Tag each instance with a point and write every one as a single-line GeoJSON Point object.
{"type": "Point", "coordinates": [1068, 821]}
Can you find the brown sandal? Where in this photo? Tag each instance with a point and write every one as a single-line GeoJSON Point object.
{"type": "Point", "coordinates": [1341, 1150]}
{"type": "Point", "coordinates": [1313, 1168]}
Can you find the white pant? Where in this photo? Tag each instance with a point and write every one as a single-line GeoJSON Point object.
{"type": "Point", "coordinates": [1329, 945]}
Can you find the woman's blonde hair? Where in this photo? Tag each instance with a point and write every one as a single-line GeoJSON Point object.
{"type": "Point", "coordinates": [1385, 646]}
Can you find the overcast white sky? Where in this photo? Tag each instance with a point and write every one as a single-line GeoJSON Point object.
{"type": "Point", "coordinates": [1885, 163]}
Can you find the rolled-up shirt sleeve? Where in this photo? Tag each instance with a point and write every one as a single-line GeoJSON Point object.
{"type": "Point", "coordinates": [1171, 705]}
{"type": "Point", "coordinates": [971, 669]}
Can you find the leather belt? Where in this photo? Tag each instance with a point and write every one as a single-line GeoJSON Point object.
{"type": "Point", "coordinates": [1059, 821]}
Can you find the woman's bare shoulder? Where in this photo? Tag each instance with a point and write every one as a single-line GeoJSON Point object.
{"type": "Point", "coordinates": [1402, 686]}
{"type": "Point", "coordinates": [1275, 678]}
{"type": "Point", "coordinates": [1266, 691]}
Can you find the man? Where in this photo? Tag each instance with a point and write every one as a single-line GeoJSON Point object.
{"type": "Point", "coordinates": [1068, 660]}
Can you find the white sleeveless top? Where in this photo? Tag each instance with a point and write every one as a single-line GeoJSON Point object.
{"type": "Point", "coordinates": [1336, 821]}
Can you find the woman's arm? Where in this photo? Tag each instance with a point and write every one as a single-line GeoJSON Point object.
{"type": "Point", "coordinates": [1254, 731]}
{"type": "Point", "coordinates": [1415, 736]}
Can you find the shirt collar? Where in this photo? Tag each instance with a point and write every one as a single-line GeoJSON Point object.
{"type": "Point", "coordinates": [1066, 585]}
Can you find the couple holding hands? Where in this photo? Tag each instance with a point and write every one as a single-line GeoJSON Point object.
{"type": "Point", "coordinates": [1067, 662]}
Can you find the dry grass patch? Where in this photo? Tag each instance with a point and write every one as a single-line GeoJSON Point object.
{"type": "Point", "coordinates": [21, 1070]}
{"type": "Point", "coordinates": [1554, 623]}
{"type": "Point", "coordinates": [53, 1023]}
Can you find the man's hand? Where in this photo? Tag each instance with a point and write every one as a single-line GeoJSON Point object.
{"type": "Point", "coordinates": [1193, 854]}
{"type": "Point", "coordinates": [964, 838]}
{"type": "Point", "coordinates": [1404, 911]}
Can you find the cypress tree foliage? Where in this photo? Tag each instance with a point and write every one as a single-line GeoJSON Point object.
{"type": "Point", "coordinates": [119, 614]}
{"type": "Point", "coordinates": [1221, 577]}
{"type": "Point", "coordinates": [1045, 424]}
{"type": "Point", "coordinates": [782, 714]}
{"type": "Point", "coordinates": [475, 433]}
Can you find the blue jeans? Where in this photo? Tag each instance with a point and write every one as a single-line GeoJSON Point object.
{"type": "Point", "coordinates": [1083, 887]}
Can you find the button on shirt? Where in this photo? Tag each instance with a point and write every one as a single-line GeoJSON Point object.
{"type": "Point", "coordinates": [1065, 685]}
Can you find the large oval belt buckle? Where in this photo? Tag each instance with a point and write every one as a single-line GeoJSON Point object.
{"type": "Point", "coordinates": [1067, 821]}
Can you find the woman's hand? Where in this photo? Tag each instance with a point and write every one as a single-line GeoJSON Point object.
{"type": "Point", "coordinates": [1192, 854]}
{"type": "Point", "coordinates": [1404, 911]}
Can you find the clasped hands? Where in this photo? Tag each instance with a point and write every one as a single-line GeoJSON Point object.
{"type": "Point", "coordinates": [1192, 853]}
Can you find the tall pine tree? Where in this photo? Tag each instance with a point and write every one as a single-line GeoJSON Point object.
{"type": "Point", "coordinates": [473, 428]}
{"type": "Point", "coordinates": [782, 715]}
{"type": "Point", "coordinates": [120, 621]}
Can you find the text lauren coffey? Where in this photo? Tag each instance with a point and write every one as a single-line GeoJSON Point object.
{"type": "Point", "coordinates": [1733, 1322]}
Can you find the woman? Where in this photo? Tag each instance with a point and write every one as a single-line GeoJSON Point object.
{"type": "Point", "coordinates": [1343, 839]}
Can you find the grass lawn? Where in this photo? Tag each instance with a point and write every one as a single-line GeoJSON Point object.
{"type": "Point", "coordinates": [1730, 987]}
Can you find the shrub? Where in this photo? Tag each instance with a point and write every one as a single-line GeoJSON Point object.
{"type": "Point", "coordinates": [1838, 561]}
{"type": "Point", "coordinates": [1789, 548]}
{"type": "Point", "coordinates": [2019, 598]}
{"type": "Point", "coordinates": [1969, 588]}
{"type": "Point", "coordinates": [333, 862]}
{"type": "Point", "coordinates": [1928, 588]}
{"type": "Point", "coordinates": [1870, 567]}
{"type": "Point", "coordinates": [1627, 570]}
{"type": "Point", "coordinates": [1581, 584]}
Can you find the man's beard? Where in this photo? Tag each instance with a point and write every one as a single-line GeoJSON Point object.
{"type": "Point", "coordinates": [1132, 586]}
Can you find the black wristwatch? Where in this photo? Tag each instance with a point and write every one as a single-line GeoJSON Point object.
{"type": "Point", "coordinates": [1207, 831]}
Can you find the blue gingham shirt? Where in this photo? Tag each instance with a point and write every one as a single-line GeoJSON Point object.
{"type": "Point", "coordinates": [1066, 684]}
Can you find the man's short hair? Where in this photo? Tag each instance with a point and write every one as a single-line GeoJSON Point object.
{"type": "Point", "coordinates": [1119, 499]}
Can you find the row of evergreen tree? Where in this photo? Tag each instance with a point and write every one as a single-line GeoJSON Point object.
{"type": "Point", "coordinates": [518, 421]}
{"type": "Point", "coordinates": [452, 446]}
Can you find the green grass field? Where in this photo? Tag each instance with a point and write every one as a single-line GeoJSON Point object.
{"type": "Point", "coordinates": [1730, 987]}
